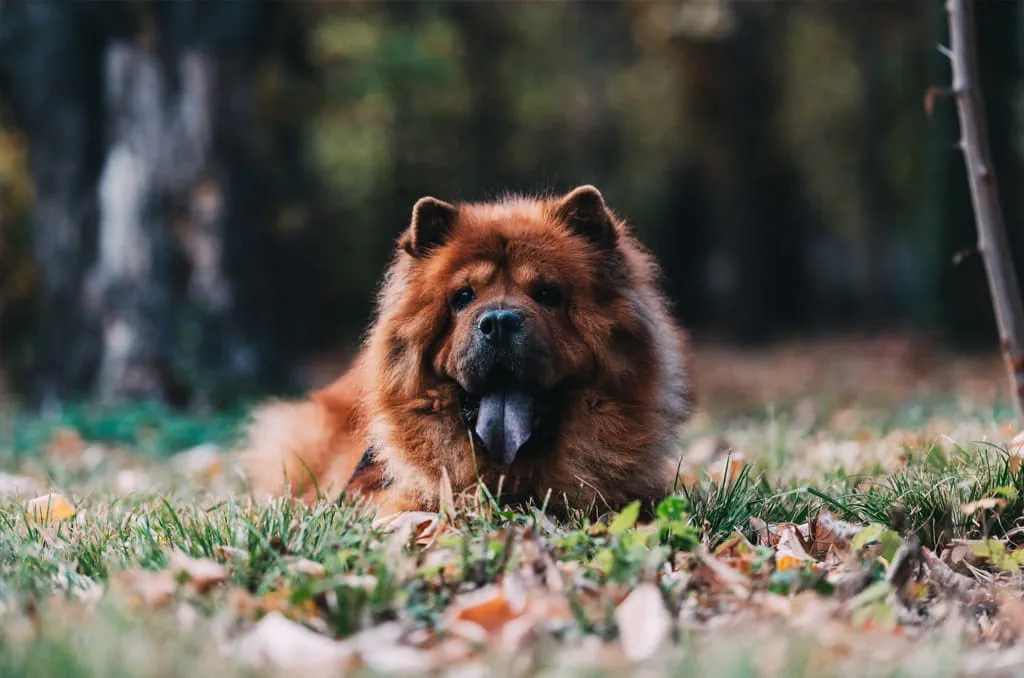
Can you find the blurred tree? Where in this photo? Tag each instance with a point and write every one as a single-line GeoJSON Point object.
{"type": "Point", "coordinates": [51, 56]}
{"type": "Point", "coordinates": [151, 228]}
{"type": "Point", "coordinates": [757, 212]}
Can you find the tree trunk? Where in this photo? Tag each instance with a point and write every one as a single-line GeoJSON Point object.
{"type": "Point", "coordinates": [755, 211]}
{"type": "Point", "coordinates": [50, 56]}
{"type": "Point", "coordinates": [153, 154]}
{"type": "Point", "coordinates": [154, 204]}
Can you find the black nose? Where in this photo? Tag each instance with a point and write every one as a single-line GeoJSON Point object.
{"type": "Point", "coordinates": [500, 325]}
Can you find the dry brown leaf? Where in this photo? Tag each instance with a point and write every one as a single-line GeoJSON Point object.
{"type": "Point", "coordinates": [50, 508]}
{"type": "Point", "coordinates": [1011, 608]}
{"type": "Point", "coordinates": [230, 553]}
{"type": "Point", "coordinates": [283, 644]}
{"type": "Point", "coordinates": [983, 504]}
{"type": "Point", "coordinates": [829, 532]}
{"type": "Point", "coordinates": [201, 574]}
{"type": "Point", "coordinates": [789, 552]}
{"type": "Point", "coordinates": [483, 612]}
{"type": "Point", "coordinates": [644, 622]}
{"type": "Point", "coordinates": [952, 582]}
{"type": "Point", "coordinates": [736, 552]}
{"type": "Point", "coordinates": [152, 589]}
{"type": "Point", "coordinates": [716, 573]}
{"type": "Point", "coordinates": [307, 567]}
{"type": "Point", "coordinates": [728, 469]}
{"type": "Point", "coordinates": [1016, 452]}
{"type": "Point", "coordinates": [421, 526]}
{"type": "Point", "coordinates": [505, 616]}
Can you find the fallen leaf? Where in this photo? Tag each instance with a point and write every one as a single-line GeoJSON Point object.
{"type": "Point", "coordinates": [728, 469]}
{"type": "Point", "coordinates": [643, 621]}
{"type": "Point", "coordinates": [789, 552]}
{"type": "Point", "coordinates": [829, 532]}
{"type": "Point", "coordinates": [736, 552]}
{"type": "Point", "coordinates": [201, 574]}
{"type": "Point", "coordinates": [887, 539]}
{"type": "Point", "coordinates": [398, 659]}
{"type": "Point", "coordinates": [283, 644]}
{"type": "Point", "coordinates": [231, 553]}
{"type": "Point", "coordinates": [307, 567]}
{"type": "Point", "coordinates": [421, 526]}
{"type": "Point", "coordinates": [714, 571]}
{"type": "Point", "coordinates": [1016, 452]}
{"type": "Point", "coordinates": [152, 589]}
{"type": "Point", "coordinates": [280, 601]}
{"type": "Point", "coordinates": [50, 508]}
{"type": "Point", "coordinates": [202, 462]}
{"type": "Point", "coordinates": [984, 504]}
{"type": "Point", "coordinates": [625, 520]}
{"type": "Point", "coordinates": [487, 608]}
{"type": "Point", "coordinates": [1011, 607]}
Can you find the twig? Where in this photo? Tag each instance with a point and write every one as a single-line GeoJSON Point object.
{"type": "Point", "coordinates": [992, 241]}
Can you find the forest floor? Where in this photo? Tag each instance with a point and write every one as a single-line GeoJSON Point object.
{"type": "Point", "coordinates": [845, 508]}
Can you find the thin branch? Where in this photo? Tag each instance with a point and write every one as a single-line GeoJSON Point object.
{"type": "Point", "coordinates": [992, 241]}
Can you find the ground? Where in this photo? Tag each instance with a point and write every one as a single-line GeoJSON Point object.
{"type": "Point", "coordinates": [844, 508]}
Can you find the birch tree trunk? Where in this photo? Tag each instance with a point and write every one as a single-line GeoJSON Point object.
{"type": "Point", "coordinates": [154, 197]}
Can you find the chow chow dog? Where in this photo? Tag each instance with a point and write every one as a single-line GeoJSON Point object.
{"type": "Point", "coordinates": [522, 344]}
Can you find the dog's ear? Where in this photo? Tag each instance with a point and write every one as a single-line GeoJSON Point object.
{"type": "Point", "coordinates": [584, 211]}
{"type": "Point", "coordinates": [432, 219]}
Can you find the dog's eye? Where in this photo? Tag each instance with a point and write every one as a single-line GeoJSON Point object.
{"type": "Point", "coordinates": [463, 298]}
{"type": "Point", "coordinates": [548, 295]}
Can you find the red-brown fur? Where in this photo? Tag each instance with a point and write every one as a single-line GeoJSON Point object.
{"type": "Point", "coordinates": [615, 347]}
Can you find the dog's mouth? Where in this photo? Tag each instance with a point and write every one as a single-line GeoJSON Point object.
{"type": "Point", "coordinates": [506, 418]}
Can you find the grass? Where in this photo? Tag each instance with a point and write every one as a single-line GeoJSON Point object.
{"type": "Point", "coordinates": [71, 602]}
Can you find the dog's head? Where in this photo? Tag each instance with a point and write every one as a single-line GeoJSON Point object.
{"type": "Point", "coordinates": [509, 302]}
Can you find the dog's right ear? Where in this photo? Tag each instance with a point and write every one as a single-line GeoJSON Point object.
{"type": "Point", "coordinates": [432, 219]}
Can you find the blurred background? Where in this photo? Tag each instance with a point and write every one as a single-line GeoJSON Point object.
{"type": "Point", "coordinates": [197, 199]}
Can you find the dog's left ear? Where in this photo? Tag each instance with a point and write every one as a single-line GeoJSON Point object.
{"type": "Point", "coordinates": [584, 210]}
{"type": "Point", "coordinates": [432, 219]}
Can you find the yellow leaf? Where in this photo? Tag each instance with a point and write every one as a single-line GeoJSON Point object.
{"type": "Point", "coordinates": [50, 508]}
{"type": "Point", "coordinates": [784, 563]}
{"type": "Point", "coordinates": [280, 600]}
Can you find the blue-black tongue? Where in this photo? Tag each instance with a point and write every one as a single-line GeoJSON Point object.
{"type": "Point", "coordinates": [504, 423]}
